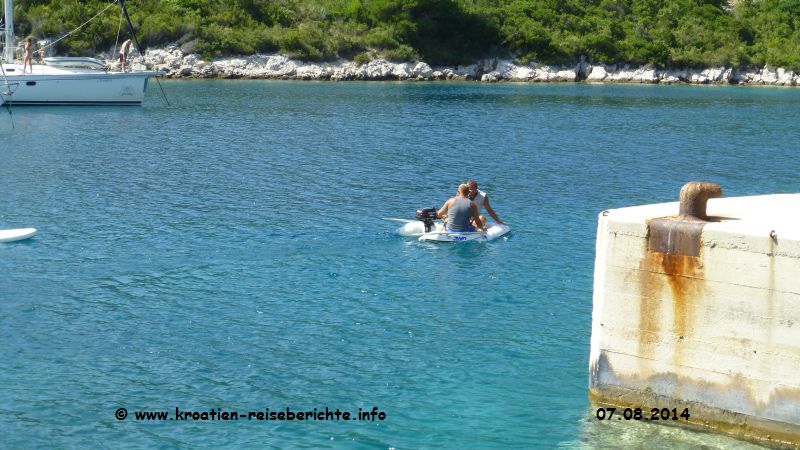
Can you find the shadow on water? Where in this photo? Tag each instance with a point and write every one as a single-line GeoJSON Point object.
{"type": "Point", "coordinates": [461, 255]}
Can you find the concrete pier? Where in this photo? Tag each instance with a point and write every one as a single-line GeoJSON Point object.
{"type": "Point", "coordinates": [697, 305]}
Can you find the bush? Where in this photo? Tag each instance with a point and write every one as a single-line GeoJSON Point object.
{"type": "Point", "coordinates": [658, 32]}
{"type": "Point", "coordinates": [362, 58]}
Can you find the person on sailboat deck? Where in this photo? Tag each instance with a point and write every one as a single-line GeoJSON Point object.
{"type": "Point", "coordinates": [26, 56]}
{"type": "Point", "coordinates": [124, 50]}
{"type": "Point", "coordinates": [482, 200]}
{"type": "Point", "coordinates": [460, 211]}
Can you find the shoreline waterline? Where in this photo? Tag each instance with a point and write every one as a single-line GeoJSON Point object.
{"type": "Point", "coordinates": [173, 63]}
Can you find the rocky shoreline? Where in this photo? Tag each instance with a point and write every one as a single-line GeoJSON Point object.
{"type": "Point", "coordinates": [175, 64]}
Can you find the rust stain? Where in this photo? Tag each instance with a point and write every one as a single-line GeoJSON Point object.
{"type": "Point", "coordinates": [683, 276]}
{"type": "Point", "coordinates": [650, 292]}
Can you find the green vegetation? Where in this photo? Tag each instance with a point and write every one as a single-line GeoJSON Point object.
{"type": "Point", "coordinates": [663, 33]}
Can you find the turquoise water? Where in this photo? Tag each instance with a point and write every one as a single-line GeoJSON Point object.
{"type": "Point", "coordinates": [229, 251]}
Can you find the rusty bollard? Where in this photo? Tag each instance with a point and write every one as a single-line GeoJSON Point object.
{"type": "Point", "coordinates": [682, 234]}
{"type": "Point", "coordinates": [694, 198]}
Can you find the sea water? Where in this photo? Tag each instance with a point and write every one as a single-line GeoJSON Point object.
{"type": "Point", "coordinates": [228, 252]}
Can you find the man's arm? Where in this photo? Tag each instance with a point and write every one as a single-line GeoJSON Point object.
{"type": "Point", "coordinates": [491, 211]}
{"type": "Point", "coordinates": [441, 213]}
{"type": "Point", "coordinates": [476, 216]}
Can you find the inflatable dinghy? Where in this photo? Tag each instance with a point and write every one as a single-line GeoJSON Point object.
{"type": "Point", "coordinates": [16, 234]}
{"type": "Point", "coordinates": [427, 228]}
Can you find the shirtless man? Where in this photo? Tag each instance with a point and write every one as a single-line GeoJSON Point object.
{"type": "Point", "coordinates": [124, 50]}
{"type": "Point", "coordinates": [482, 200]}
{"type": "Point", "coordinates": [460, 211]}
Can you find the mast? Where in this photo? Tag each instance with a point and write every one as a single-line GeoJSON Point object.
{"type": "Point", "coordinates": [9, 50]}
{"type": "Point", "coordinates": [130, 25]}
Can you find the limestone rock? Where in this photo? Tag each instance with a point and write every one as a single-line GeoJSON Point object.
{"type": "Point", "coordinates": [598, 73]}
{"type": "Point", "coordinates": [312, 72]}
{"type": "Point", "coordinates": [422, 70]}
{"type": "Point", "coordinates": [469, 72]}
{"type": "Point", "coordinates": [172, 62]}
{"type": "Point", "coordinates": [566, 75]}
{"type": "Point", "coordinates": [785, 78]}
{"type": "Point", "coordinates": [491, 77]}
{"type": "Point", "coordinates": [378, 69]}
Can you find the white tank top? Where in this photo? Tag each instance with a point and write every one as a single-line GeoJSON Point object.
{"type": "Point", "coordinates": [479, 197]}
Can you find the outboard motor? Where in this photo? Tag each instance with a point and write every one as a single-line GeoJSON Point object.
{"type": "Point", "coordinates": [427, 216]}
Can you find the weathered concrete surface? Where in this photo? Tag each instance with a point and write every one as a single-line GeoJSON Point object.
{"type": "Point", "coordinates": [717, 332]}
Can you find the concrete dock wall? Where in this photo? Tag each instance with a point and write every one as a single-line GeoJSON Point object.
{"type": "Point", "coordinates": [714, 329]}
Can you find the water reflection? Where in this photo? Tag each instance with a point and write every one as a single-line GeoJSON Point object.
{"type": "Point", "coordinates": [596, 434]}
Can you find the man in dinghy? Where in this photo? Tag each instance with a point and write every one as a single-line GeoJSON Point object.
{"type": "Point", "coordinates": [482, 200]}
{"type": "Point", "coordinates": [459, 211]}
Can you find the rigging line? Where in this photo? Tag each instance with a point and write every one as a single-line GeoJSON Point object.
{"type": "Point", "coordinates": [162, 91]}
{"type": "Point", "coordinates": [10, 116]}
{"type": "Point", "coordinates": [41, 50]}
{"type": "Point", "coordinates": [136, 41]}
{"type": "Point", "coordinates": [119, 31]}
{"type": "Point", "coordinates": [7, 93]}
{"type": "Point", "coordinates": [7, 104]}
{"type": "Point", "coordinates": [130, 26]}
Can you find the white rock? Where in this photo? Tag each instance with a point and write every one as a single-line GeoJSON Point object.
{"type": "Point", "coordinates": [727, 75]}
{"type": "Point", "coordinates": [699, 78]}
{"type": "Point", "coordinates": [673, 76]}
{"type": "Point", "coordinates": [506, 69]}
{"type": "Point", "coordinates": [598, 73]}
{"type": "Point", "coordinates": [275, 63]}
{"type": "Point", "coordinates": [491, 77]}
{"type": "Point", "coordinates": [717, 75]}
{"type": "Point", "coordinates": [469, 72]}
{"type": "Point", "coordinates": [349, 71]}
{"type": "Point", "coordinates": [566, 75]}
{"type": "Point", "coordinates": [768, 77]}
{"type": "Point", "coordinates": [190, 60]}
{"type": "Point", "coordinates": [422, 70]}
{"type": "Point", "coordinates": [173, 63]}
{"type": "Point", "coordinates": [667, 78]}
{"type": "Point", "coordinates": [378, 69]}
{"type": "Point", "coordinates": [403, 71]}
{"type": "Point", "coordinates": [523, 73]}
{"type": "Point", "coordinates": [510, 71]}
{"type": "Point", "coordinates": [643, 75]}
{"type": "Point", "coordinates": [312, 72]}
{"type": "Point", "coordinates": [203, 69]}
{"type": "Point", "coordinates": [785, 78]}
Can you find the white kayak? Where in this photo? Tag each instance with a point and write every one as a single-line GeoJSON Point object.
{"type": "Point", "coordinates": [16, 234]}
{"type": "Point", "coordinates": [438, 233]}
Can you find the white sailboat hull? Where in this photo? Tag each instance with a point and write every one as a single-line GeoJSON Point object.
{"type": "Point", "coordinates": [48, 85]}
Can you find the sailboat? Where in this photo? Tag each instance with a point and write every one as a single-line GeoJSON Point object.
{"type": "Point", "coordinates": [67, 80]}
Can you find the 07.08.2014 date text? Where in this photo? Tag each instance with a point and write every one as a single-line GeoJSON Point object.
{"type": "Point", "coordinates": [642, 414]}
